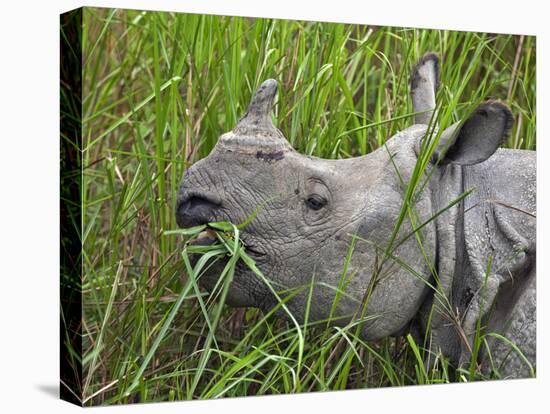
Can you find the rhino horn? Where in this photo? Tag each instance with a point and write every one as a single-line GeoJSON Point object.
{"type": "Point", "coordinates": [258, 115]}
{"type": "Point", "coordinates": [255, 130]}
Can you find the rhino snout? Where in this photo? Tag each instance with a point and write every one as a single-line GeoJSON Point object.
{"type": "Point", "coordinates": [194, 209]}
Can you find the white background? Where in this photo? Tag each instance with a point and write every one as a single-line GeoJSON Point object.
{"type": "Point", "coordinates": [29, 225]}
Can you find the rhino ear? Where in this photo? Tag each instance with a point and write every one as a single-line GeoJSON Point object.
{"type": "Point", "coordinates": [478, 137]}
{"type": "Point", "coordinates": [424, 83]}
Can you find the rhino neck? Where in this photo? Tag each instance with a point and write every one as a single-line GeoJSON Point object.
{"type": "Point", "coordinates": [477, 232]}
{"type": "Point", "coordinates": [447, 185]}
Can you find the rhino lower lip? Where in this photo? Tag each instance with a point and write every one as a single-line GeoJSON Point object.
{"type": "Point", "coordinates": [205, 238]}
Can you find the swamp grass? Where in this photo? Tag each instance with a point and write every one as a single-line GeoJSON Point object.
{"type": "Point", "coordinates": [158, 90]}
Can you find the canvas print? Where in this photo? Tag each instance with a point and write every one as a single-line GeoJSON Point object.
{"type": "Point", "coordinates": [253, 206]}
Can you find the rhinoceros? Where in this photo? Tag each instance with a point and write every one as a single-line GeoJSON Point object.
{"type": "Point", "coordinates": [440, 226]}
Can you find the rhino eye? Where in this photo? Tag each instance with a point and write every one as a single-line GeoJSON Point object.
{"type": "Point", "coordinates": [316, 202]}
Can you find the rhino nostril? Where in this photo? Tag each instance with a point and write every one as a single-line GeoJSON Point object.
{"type": "Point", "coordinates": [195, 210]}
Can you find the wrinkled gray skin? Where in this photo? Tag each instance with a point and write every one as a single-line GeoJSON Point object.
{"type": "Point", "coordinates": [313, 207]}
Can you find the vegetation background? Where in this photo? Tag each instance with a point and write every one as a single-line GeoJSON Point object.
{"type": "Point", "coordinates": [158, 90]}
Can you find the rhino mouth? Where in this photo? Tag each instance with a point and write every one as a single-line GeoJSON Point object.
{"type": "Point", "coordinates": [210, 275]}
{"type": "Point", "coordinates": [205, 238]}
{"type": "Point", "coordinates": [208, 237]}
{"type": "Point", "coordinates": [253, 251]}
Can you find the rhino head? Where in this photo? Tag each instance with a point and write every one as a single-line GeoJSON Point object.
{"type": "Point", "coordinates": [313, 214]}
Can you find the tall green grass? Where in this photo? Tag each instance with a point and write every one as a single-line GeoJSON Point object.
{"type": "Point", "coordinates": [158, 90]}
